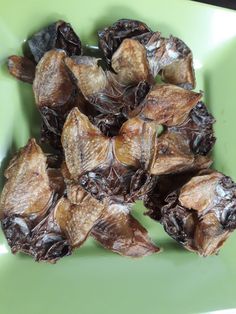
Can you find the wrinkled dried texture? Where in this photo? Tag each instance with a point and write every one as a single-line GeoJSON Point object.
{"type": "Point", "coordinates": [130, 63]}
{"type": "Point", "coordinates": [162, 52]}
{"type": "Point", "coordinates": [154, 200]}
{"type": "Point", "coordinates": [27, 190]}
{"type": "Point", "coordinates": [90, 76]}
{"type": "Point", "coordinates": [141, 184]}
{"type": "Point", "coordinates": [133, 98]}
{"type": "Point", "coordinates": [52, 85]}
{"type": "Point", "coordinates": [198, 128]}
{"type": "Point", "coordinates": [55, 95]}
{"type": "Point", "coordinates": [118, 231]}
{"type": "Point", "coordinates": [108, 124]}
{"type": "Point", "coordinates": [180, 73]}
{"type": "Point", "coordinates": [77, 219]}
{"type": "Point", "coordinates": [168, 104]}
{"type": "Point", "coordinates": [51, 127]}
{"type": "Point", "coordinates": [56, 181]}
{"type": "Point", "coordinates": [117, 182]}
{"type": "Point", "coordinates": [21, 68]}
{"type": "Point", "coordinates": [57, 35]}
{"type": "Point", "coordinates": [172, 155]}
{"type": "Point", "coordinates": [33, 219]}
{"type": "Point", "coordinates": [134, 146]}
{"type": "Point", "coordinates": [67, 39]}
{"type": "Point", "coordinates": [100, 88]}
{"type": "Point", "coordinates": [201, 214]}
{"type": "Point", "coordinates": [111, 37]}
{"type": "Point", "coordinates": [85, 147]}
{"type": "Point", "coordinates": [112, 181]}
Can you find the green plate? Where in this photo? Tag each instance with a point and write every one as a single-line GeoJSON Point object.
{"type": "Point", "coordinates": [93, 280]}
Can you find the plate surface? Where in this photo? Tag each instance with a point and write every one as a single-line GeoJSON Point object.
{"type": "Point", "coordinates": [93, 280]}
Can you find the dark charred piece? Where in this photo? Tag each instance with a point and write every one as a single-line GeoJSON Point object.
{"type": "Point", "coordinates": [109, 124]}
{"type": "Point", "coordinates": [111, 37]}
{"type": "Point", "coordinates": [198, 128]}
{"type": "Point", "coordinates": [57, 35]}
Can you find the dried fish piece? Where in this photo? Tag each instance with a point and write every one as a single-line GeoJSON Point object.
{"type": "Point", "coordinates": [130, 63]}
{"type": "Point", "coordinates": [173, 155]}
{"type": "Point", "coordinates": [134, 146]}
{"type": "Point", "coordinates": [76, 216]}
{"type": "Point", "coordinates": [168, 104]}
{"type": "Point", "coordinates": [100, 88]}
{"type": "Point", "coordinates": [202, 213]}
{"type": "Point", "coordinates": [198, 128]}
{"type": "Point", "coordinates": [33, 219]}
{"type": "Point", "coordinates": [52, 86]}
{"type": "Point", "coordinates": [21, 68]}
{"type": "Point", "coordinates": [84, 145]}
{"type": "Point", "coordinates": [27, 182]}
{"type": "Point", "coordinates": [162, 52]}
{"type": "Point", "coordinates": [111, 37]}
{"type": "Point", "coordinates": [65, 227]}
{"type": "Point", "coordinates": [180, 73]}
{"type": "Point", "coordinates": [26, 196]}
{"type": "Point", "coordinates": [120, 232]}
{"type": "Point", "coordinates": [57, 35]}
{"type": "Point", "coordinates": [55, 95]}
{"type": "Point", "coordinates": [90, 77]}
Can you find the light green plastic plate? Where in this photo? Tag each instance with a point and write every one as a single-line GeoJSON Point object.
{"type": "Point", "coordinates": [92, 280]}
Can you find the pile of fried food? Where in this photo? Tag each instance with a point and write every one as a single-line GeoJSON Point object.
{"type": "Point", "coordinates": [118, 136]}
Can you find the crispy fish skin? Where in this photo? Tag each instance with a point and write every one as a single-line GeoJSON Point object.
{"type": "Point", "coordinates": [52, 85]}
{"type": "Point", "coordinates": [89, 75]}
{"type": "Point", "coordinates": [55, 95]}
{"type": "Point", "coordinates": [173, 155]}
{"type": "Point", "coordinates": [130, 63]}
{"type": "Point", "coordinates": [163, 52]}
{"type": "Point", "coordinates": [180, 73]}
{"type": "Point", "coordinates": [21, 68]}
{"type": "Point", "coordinates": [35, 216]}
{"type": "Point", "coordinates": [134, 146]}
{"type": "Point", "coordinates": [84, 145]}
{"type": "Point", "coordinates": [201, 214]}
{"type": "Point", "coordinates": [169, 104]}
{"type": "Point", "coordinates": [22, 193]}
{"type": "Point", "coordinates": [118, 231]}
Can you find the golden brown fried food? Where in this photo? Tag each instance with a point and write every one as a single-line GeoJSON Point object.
{"type": "Point", "coordinates": [201, 214]}
{"type": "Point", "coordinates": [169, 104]}
{"type": "Point", "coordinates": [130, 63]}
{"type": "Point", "coordinates": [119, 232]}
